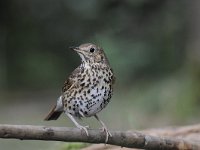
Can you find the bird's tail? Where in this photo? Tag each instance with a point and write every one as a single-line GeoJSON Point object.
{"type": "Point", "coordinates": [53, 114]}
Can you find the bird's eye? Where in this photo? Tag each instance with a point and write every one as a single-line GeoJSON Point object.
{"type": "Point", "coordinates": [92, 49]}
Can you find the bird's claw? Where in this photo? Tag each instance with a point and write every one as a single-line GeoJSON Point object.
{"type": "Point", "coordinates": [84, 128]}
{"type": "Point", "coordinates": [108, 134]}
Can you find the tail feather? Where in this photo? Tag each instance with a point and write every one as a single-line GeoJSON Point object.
{"type": "Point", "coordinates": [53, 114]}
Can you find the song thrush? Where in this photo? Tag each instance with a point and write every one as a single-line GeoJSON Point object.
{"type": "Point", "coordinates": [88, 89]}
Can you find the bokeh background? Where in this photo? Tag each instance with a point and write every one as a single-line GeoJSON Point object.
{"type": "Point", "coordinates": [153, 47]}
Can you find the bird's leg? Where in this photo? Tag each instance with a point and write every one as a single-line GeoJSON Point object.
{"type": "Point", "coordinates": [104, 128]}
{"type": "Point", "coordinates": [77, 124]}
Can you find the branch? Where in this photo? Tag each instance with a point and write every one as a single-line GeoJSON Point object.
{"type": "Point", "coordinates": [191, 132]}
{"type": "Point", "coordinates": [124, 139]}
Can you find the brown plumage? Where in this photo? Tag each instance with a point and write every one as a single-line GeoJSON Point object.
{"type": "Point", "coordinates": [88, 89]}
{"type": "Point", "coordinates": [53, 114]}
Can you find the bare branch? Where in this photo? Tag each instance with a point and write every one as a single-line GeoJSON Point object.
{"type": "Point", "coordinates": [124, 139]}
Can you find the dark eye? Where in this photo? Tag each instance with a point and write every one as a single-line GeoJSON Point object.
{"type": "Point", "coordinates": [92, 49]}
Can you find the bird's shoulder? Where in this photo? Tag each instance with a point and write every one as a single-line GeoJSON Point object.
{"type": "Point", "coordinates": [72, 80]}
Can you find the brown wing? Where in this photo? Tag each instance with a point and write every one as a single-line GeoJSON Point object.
{"type": "Point", "coordinates": [69, 83]}
{"type": "Point", "coordinates": [72, 80]}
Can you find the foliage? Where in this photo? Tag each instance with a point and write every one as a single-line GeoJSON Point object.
{"type": "Point", "coordinates": [141, 38]}
{"type": "Point", "coordinates": [73, 146]}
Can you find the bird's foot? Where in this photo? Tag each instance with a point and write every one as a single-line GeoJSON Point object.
{"type": "Point", "coordinates": [108, 134]}
{"type": "Point", "coordinates": [84, 128]}
{"type": "Point", "coordinates": [77, 124]}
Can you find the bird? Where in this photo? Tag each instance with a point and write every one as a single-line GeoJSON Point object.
{"type": "Point", "coordinates": [88, 89]}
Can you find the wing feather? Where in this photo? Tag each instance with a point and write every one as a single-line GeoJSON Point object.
{"type": "Point", "coordinates": [72, 80]}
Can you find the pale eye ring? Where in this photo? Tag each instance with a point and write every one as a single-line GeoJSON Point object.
{"type": "Point", "coordinates": [92, 49]}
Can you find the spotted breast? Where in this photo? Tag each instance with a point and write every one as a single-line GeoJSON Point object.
{"type": "Point", "coordinates": [93, 91]}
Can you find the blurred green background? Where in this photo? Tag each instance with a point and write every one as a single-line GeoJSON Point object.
{"type": "Point", "coordinates": [153, 47]}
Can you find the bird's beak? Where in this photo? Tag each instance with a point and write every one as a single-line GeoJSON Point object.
{"type": "Point", "coordinates": [74, 48]}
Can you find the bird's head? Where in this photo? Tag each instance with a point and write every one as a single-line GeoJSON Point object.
{"type": "Point", "coordinates": [91, 53]}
